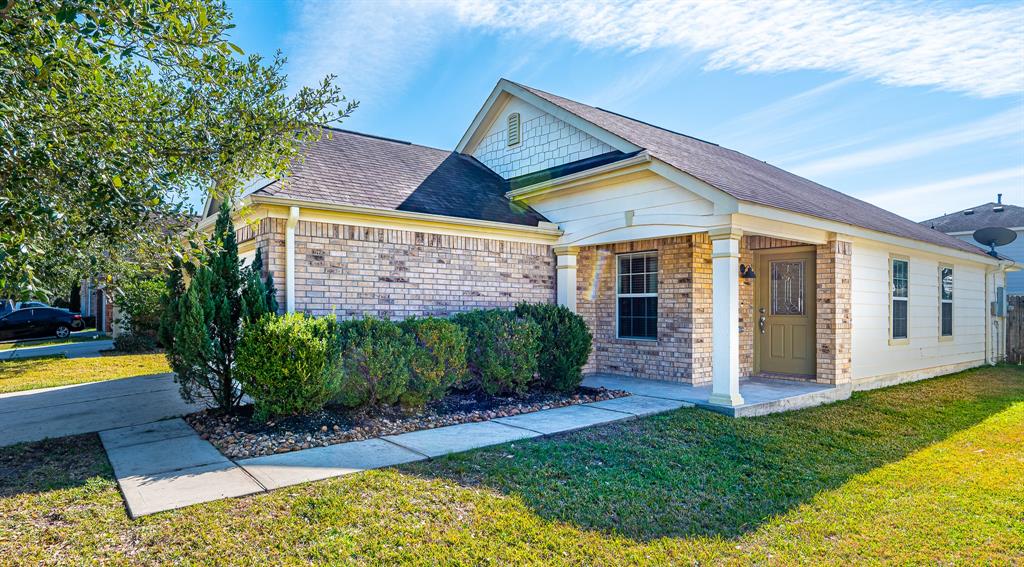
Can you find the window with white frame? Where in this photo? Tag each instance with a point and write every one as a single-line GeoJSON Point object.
{"type": "Point", "coordinates": [637, 296]}
{"type": "Point", "coordinates": [946, 301]}
{"type": "Point", "coordinates": [900, 293]}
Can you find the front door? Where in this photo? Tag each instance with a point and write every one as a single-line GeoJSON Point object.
{"type": "Point", "coordinates": [785, 312]}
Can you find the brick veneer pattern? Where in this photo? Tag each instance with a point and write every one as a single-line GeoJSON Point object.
{"type": "Point", "coordinates": [835, 316]}
{"type": "Point", "coordinates": [683, 350]}
{"type": "Point", "coordinates": [351, 270]}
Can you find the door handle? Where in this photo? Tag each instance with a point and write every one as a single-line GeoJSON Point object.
{"type": "Point", "coordinates": [761, 321]}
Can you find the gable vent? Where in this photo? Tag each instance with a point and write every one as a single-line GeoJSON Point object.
{"type": "Point", "coordinates": [514, 131]}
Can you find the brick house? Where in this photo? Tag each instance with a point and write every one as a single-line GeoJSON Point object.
{"type": "Point", "coordinates": [689, 261]}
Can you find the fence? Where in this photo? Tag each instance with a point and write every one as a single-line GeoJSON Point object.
{"type": "Point", "coordinates": [1015, 329]}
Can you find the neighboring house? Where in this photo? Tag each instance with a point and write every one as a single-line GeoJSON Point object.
{"type": "Point", "coordinates": [962, 225]}
{"type": "Point", "coordinates": [653, 237]}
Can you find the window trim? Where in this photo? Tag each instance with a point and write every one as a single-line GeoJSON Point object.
{"type": "Point", "coordinates": [951, 301]}
{"type": "Point", "coordinates": [618, 279]}
{"type": "Point", "coordinates": [894, 341]}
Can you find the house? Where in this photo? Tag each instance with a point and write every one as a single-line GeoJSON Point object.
{"type": "Point", "coordinates": [962, 225]}
{"type": "Point", "coordinates": [690, 262]}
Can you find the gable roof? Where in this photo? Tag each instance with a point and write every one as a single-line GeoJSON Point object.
{"type": "Point", "coordinates": [749, 179]}
{"type": "Point", "coordinates": [349, 168]}
{"type": "Point", "coordinates": [982, 216]}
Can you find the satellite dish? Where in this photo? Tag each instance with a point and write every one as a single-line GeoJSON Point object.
{"type": "Point", "coordinates": [994, 236]}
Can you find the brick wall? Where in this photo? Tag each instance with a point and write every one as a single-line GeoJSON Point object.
{"type": "Point", "coordinates": [835, 314]}
{"type": "Point", "coordinates": [351, 271]}
{"type": "Point", "coordinates": [682, 351]}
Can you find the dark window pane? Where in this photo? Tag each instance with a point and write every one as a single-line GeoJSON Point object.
{"type": "Point", "coordinates": [624, 284]}
{"type": "Point", "coordinates": [947, 319]}
{"type": "Point", "coordinates": [899, 319]}
{"type": "Point", "coordinates": [652, 282]}
{"type": "Point", "coordinates": [638, 317]}
{"type": "Point", "coordinates": [625, 307]}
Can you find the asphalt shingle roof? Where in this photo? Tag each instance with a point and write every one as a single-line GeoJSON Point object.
{"type": "Point", "coordinates": [752, 180]}
{"type": "Point", "coordinates": [982, 216]}
{"type": "Point", "coordinates": [348, 168]}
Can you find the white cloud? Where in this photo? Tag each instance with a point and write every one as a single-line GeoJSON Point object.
{"type": "Point", "coordinates": [374, 48]}
{"type": "Point", "coordinates": [1008, 123]}
{"type": "Point", "coordinates": [936, 198]}
{"type": "Point", "coordinates": [971, 50]}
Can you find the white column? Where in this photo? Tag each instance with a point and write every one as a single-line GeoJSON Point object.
{"type": "Point", "coordinates": [289, 259]}
{"type": "Point", "coordinates": [566, 276]}
{"type": "Point", "coordinates": [725, 304]}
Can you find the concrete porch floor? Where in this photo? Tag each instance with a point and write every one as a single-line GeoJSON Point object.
{"type": "Point", "coordinates": [761, 396]}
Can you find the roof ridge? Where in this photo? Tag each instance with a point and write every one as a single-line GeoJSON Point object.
{"type": "Point", "coordinates": [386, 139]}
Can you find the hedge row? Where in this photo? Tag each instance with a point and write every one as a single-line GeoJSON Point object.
{"type": "Point", "coordinates": [296, 364]}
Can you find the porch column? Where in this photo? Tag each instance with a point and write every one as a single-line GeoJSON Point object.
{"type": "Point", "coordinates": [725, 307]}
{"type": "Point", "coordinates": [566, 276]}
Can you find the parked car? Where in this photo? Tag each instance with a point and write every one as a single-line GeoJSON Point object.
{"type": "Point", "coordinates": [39, 322]}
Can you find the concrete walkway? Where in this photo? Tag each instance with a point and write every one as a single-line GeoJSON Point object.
{"type": "Point", "coordinates": [70, 350]}
{"type": "Point", "coordinates": [86, 408]}
{"type": "Point", "coordinates": [166, 465]}
{"type": "Point", "coordinates": [761, 396]}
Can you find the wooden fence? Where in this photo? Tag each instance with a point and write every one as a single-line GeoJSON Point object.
{"type": "Point", "coordinates": [1015, 329]}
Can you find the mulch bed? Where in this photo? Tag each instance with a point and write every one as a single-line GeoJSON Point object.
{"type": "Point", "coordinates": [237, 436]}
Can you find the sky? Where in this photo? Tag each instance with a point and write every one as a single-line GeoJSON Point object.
{"type": "Point", "coordinates": [916, 107]}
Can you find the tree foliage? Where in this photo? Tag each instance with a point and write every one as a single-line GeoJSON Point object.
{"type": "Point", "coordinates": [207, 318]}
{"type": "Point", "coordinates": [112, 111]}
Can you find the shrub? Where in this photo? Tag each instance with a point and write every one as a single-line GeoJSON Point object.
{"type": "Point", "coordinates": [565, 343]}
{"type": "Point", "coordinates": [376, 358]}
{"type": "Point", "coordinates": [502, 350]}
{"type": "Point", "coordinates": [140, 306]}
{"type": "Point", "coordinates": [132, 343]}
{"type": "Point", "coordinates": [438, 360]}
{"type": "Point", "coordinates": [289, 364]}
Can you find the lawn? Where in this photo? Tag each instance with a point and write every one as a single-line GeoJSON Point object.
{"type": "Point", "coordinates": [931, 472]}
{"type": "Point", "coordinates": [29, 374]}
{"type": "Point", "coordinates": [46, 342]}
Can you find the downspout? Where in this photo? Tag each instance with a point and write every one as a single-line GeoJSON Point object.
{"type": "Point", "coordinates": [289, 259]}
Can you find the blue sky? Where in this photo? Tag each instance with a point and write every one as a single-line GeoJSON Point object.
{"type": "Point", "coordinates": [916, 107]}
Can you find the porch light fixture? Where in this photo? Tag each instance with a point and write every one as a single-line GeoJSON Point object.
{"type": "Point", "coordinates": [747, 272]}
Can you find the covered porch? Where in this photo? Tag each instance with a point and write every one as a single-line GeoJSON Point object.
{"type": "Point", "coordinates": [746, 323]}
{"type": "Point", "coordinates": [761, 396]}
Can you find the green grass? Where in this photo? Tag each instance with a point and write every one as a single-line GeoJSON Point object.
{"type": "Point", "coordinates": [931, 472]}
{"type": "Point", "coordinates": [46, 342]}
{"type": "Point", "coordinates": [32, 373]}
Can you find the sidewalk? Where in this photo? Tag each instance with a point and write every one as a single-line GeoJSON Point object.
{"type": "Point", "coordinates": [166, 465]}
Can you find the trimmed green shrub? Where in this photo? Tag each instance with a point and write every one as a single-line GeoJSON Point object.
{"type": "Point", "coordinates": [140, 307]}
{"type": "Point", "coordinates": [134, 343]}
{"type": "Point", "coordinates": [565, 343]}
{"type": "Point", "coordinates": [502, 350]}
{"type": "Point", "coordinates": [438, 360]}
{"type": "Point", "coordinates": [289, 364]}
{"type": "Point", "coordinates": [376, 357]}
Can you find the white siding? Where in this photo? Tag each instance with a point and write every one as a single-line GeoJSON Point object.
{"type": "Point", "coordinates": [659, 207]}
{"type": "Point", "coordinates": [1014, 250]}
{"type": "Point", "coordinates": [873, 356]}
{"type": "Point", "coordinates": [546, 142]}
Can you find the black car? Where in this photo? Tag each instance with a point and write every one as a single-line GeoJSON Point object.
{"type": "Point", "coordinates": [38, 322]}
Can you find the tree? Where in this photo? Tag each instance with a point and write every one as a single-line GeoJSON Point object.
{"type": "Point", "coordinates": [259, 295]}
{"type": "Point", "coordinates": [207, 318]}
{"type": "Point", "coordinates": [113, 110]}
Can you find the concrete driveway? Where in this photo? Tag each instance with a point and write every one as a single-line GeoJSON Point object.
{"type": "Point", "coordinates": [70, 350]}
{"type": "Point", "coordinates": [86, 408]}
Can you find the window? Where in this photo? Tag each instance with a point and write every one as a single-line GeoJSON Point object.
{"type": "Point", "coordinates": [946, 301]}
{"type": "Point", "coordinates": [637, 296]}
{"type": "Point", "coordinates": [900, 292]}
{"type": "Point", "coordinates": [514, 131]}
{"type": "Point", "coordinates": [787, 294]}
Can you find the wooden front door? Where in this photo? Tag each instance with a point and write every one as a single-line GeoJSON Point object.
{"type": "Point", "coordinates": [785, 312]}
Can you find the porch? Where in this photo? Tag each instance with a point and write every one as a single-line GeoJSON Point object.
{"type": "Point", "coordinates": [760, 396]}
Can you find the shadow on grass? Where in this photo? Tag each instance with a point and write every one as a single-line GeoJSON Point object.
{"type": "Point", "coordinates": [52, 464]}
{"type": "Point", "coordinates": [695, 473]}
